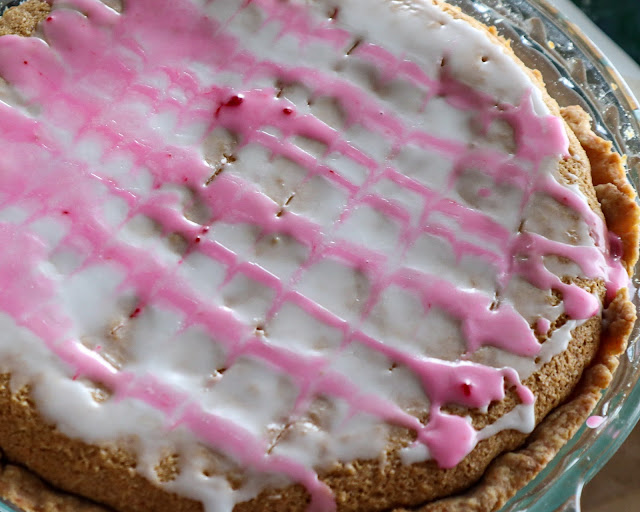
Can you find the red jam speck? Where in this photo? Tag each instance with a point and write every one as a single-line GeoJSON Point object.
{"type": "Point", "coordinates": [466, 389]}
{"type": "Point", "coordinates": [235, 101]}
{"type": "Point", "coordinates": [287, 111]}
{"type": "Point", "coordinates": [135, 313]}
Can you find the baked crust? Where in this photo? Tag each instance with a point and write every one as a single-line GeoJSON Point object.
{"type": "Point", "coordinates": [108, 474]}
{"type": "Point", "coordinates": [28, 492]}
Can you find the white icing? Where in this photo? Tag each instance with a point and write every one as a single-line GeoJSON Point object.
{"type": "Point", "coordinates": [521, 418]}
{"type": "Point", "coordinates": [414, 453]}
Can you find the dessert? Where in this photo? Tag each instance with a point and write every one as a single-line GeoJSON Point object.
{"type": "Point", "coordinates": [296, 255]}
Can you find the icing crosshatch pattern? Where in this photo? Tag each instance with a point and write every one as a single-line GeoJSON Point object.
{"type": "Point", "coordinates": [266, 202]}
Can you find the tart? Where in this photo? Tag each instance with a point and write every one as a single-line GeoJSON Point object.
{"type": "Point", "coordinates": [266, 255]}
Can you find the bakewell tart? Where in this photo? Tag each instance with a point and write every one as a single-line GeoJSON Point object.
{"type": "Point", "coordinates": [294, 255]}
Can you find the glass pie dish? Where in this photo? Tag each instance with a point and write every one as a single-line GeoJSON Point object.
{"type": "Point", "coordinates": [576, 73]}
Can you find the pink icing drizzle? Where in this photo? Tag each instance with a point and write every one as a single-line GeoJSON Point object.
{"type": "Point", "coordinates": [595, 421]}
{"type": "Point", "coordinates": [543, 325]}
{"type": "Point", "coordinates": [67, 79]}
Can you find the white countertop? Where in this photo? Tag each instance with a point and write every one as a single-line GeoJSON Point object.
{"type": "Point", "coordinates": [627, 67]}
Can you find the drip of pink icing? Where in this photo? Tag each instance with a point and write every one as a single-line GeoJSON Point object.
{"type": "Point", "coordinates": [68, 75]}
{"type": "Point", "coordinates": [595, 421]}
{"type": "Point", "coordinates": [543, 325]}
